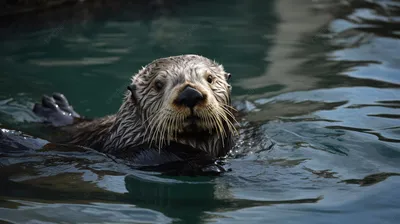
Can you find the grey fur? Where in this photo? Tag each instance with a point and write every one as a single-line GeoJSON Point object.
{"type": "Point", "coordinates": [126, 129]}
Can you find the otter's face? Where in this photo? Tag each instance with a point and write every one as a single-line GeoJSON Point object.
{"type": "Point", "coordinates": [184, 99]}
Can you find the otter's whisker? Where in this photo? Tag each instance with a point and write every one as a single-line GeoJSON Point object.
{"type": "Point", "coordinates": [178, 123]}
{"type": "Point", "coordinates": [209, 122]}
{"type": "Point", "coordinates": [150, 127]}
{"type": "Point", "coordinates": [203, 118]}
{"type": "Point", "coordinates": [164, 129]}
{"type": "Point", "coordinates": [152, 117]}
{"type": "Point", "coordinates": [231, 126]}
{"type": "Point", "coordinates": [229, 106]}
{"type": "Point", "coordinates": [225, 116]}
{"type": "Point", "coordinates": [155, 129]}
{"type": "Point", "coordinates": [223, 128]}
{"type": "Point", "coordinates": [168, 124]}
{"type": "Point", "coordinates": [218, 124]}
{"type": "Point", "coordinates": [227, 111]}
{"type": "Point", "coordinates": [174, 127]}
{"type": "Point", "coordinates": [145, 135]}
{"type": "Point", "coordinates": [211, 119]}
{"type": "Point", "coordinates": [160, 131]}
{"type": "Point", "coordinates": [152, 133]}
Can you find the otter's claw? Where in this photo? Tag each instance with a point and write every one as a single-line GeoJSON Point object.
{"type": "Point", "coordinates": [62, 102]}
{"type": "Point", "coordinates": [56, 110]}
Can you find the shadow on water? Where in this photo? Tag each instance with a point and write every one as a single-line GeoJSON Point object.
{"type": "Point", "coordinates": [321, 88]}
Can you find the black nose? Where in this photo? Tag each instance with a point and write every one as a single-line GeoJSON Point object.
{"type": "Point", "coordinates": [189, 97]}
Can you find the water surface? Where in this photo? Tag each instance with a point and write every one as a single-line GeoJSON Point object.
{"type": "Point", "coordinates": [320, 83]}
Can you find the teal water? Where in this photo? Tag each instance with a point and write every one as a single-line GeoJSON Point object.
{"type": "Point", "coordinates": [320, 82]}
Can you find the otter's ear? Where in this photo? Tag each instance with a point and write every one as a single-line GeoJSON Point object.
{"type": "Point", "coordinates": [227, 76]}
{"type": "Point", "coordinates": [132, 89]}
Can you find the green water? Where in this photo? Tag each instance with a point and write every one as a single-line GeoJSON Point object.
{"type": "Point", "coordinates": [320, 82]}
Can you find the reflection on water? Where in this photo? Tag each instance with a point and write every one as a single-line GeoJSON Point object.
{"type": "Point", "coordinates": [320, 142]}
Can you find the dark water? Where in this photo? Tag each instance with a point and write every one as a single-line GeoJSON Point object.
{"type": "Point", "coordinates": [321, 142]}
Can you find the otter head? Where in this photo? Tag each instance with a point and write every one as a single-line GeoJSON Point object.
{"type": "Point", "coordinates": [183, 99]}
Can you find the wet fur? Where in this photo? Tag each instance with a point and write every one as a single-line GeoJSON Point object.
{"type": "Point", "coordinates": [131, 127]}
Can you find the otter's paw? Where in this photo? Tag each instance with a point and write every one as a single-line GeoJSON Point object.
{"type": "Point", "coordinates": [56, 110]}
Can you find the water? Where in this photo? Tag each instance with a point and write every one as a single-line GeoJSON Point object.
{"type": "Point", "coordinates": [320, 143]}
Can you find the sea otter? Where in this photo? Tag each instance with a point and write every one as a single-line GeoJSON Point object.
{"type": "Point", "coordinates": [180, 100]}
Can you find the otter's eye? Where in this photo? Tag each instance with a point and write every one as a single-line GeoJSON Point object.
{"type": "Point", "coordinates": [210, 79]}
{"type": "Point", "coordinates": [158, 85]}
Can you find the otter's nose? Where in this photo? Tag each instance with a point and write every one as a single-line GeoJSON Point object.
{"type": "Point", "coordinates": [189, 97]}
